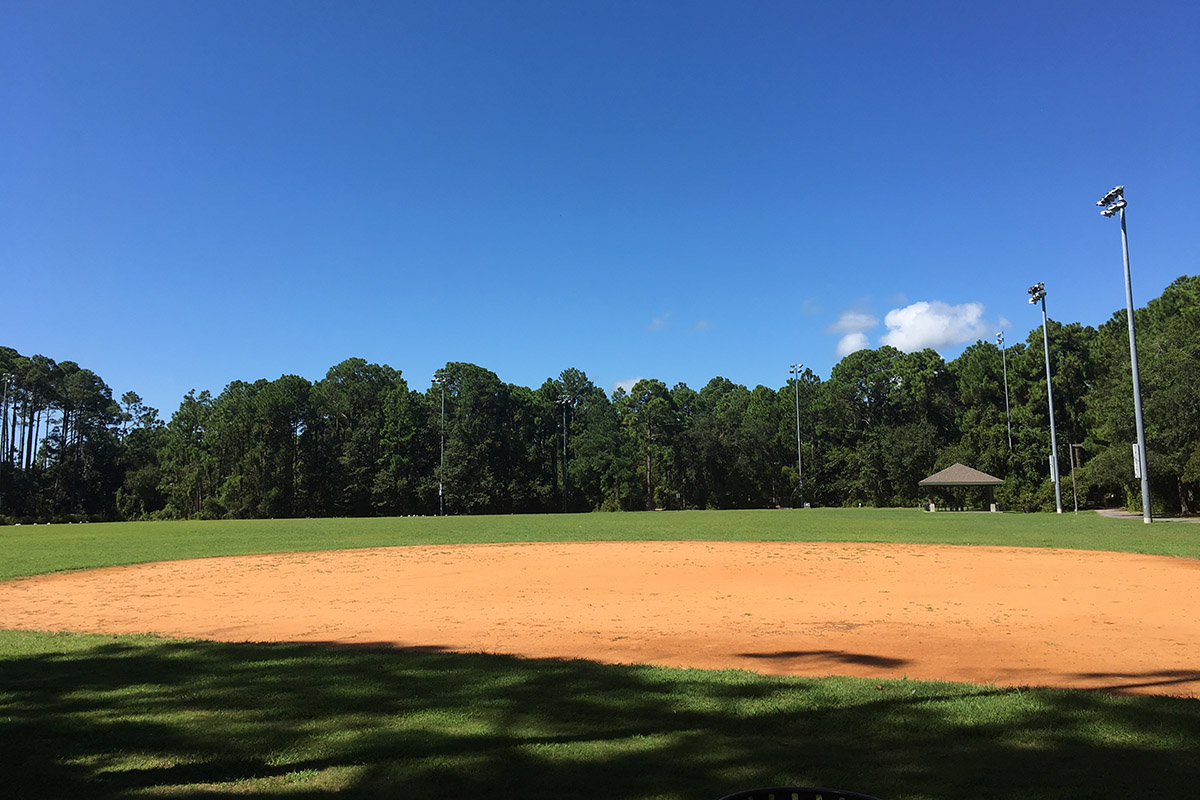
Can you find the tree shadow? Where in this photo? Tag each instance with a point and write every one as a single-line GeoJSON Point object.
{"type": "Point", "coordinates": [118, 717]}
{"type": "Point", "coordinates": [840, 656]}
{"type": "Point", "coordinates": [1123, 682]}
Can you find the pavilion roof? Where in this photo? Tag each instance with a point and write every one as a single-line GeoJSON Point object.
{"type": "Point", "coordinates": [961, 475]}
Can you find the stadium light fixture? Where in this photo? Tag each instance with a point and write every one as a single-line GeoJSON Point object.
{"type": "Point", "coordinates": [1113, 209]}
{"type": "Point", "coordinates": [795, 370]}
{"type": "Point", "coordinates": [1114, 193]}
{"type": "Point", "coordinates": [1115, 202]}
{"type": "Point", "coordinates": [1037, 293]}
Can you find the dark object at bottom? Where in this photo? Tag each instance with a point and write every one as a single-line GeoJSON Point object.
{"type": "Point", "coordinates": [797, 793]}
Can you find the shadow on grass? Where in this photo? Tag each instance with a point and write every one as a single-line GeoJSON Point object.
{"type": "Point", "coordinates": [840, 656]}
{"type": "Point", "coordinates": [1126, 681]}
{"type": "Point", "coordinates": [126, 716]}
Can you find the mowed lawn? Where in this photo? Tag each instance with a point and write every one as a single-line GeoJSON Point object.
{"type": "Point", "coordinates": [31, 550]}
{"type": "Point", "coordinates": [109, 716]}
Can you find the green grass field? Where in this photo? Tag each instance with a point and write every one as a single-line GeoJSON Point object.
{"type": "Point", "coordinates": [109, 716]}
{"type": "Point", "coordinates": [31, 550]}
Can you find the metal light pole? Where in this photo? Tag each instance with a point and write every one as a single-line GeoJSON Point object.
{"type": "Point", "coordinates": [1004, 361]}
{"type": "Point", "coordinates": [1115, 202]}
{"type": "Point", "coordinates": [5, 378]}
{"type": "Point", "coordinates": [1037, 293]}
{"type": "Point", "coordinates": [1075, 448]}
{"type": "Point", "coordinates": [439, 378]}
{"type": "Point", "coordinates": [565, 399]}
{"type": "Point", "coordinates": [5, 433]}
{"type": "Point", "coordinates": [795, 370]}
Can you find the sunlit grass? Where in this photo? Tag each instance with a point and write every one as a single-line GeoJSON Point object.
{"type": "Point", "coordinates": [29, 550]}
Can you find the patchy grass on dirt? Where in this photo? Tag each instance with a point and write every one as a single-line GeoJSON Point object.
{"type": "Point", "coordinates": [93, 716]}
{"type": "Point", "coordinates": [30, 550]}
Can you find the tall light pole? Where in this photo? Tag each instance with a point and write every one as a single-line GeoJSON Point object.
{"type": "Point", "coordinates": [1074, 450]}
{"type": "Point", "coordinates": [439, 378]}
{"type": "Point", "coordinates": [565, 399]}
{"type": "Point", "coordinates": [5, 378]}
{"type": "Point", "coordinates": [1037, 293]}
{"type": "Point", "coordinates": [1114, 203]}
{"type": "Point", "coordinates": [5, 434]}
{"type": "Point", "coordinates": [795, 370]}
{"type": "Point", "coordinates": [1004, 361]}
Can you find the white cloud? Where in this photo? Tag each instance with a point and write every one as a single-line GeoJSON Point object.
{"type": "Point", "coordinates": [853, 322]}
{"type": "Point", "coordinates": [626, 384]}
{"type": "Point", "coordinates": [853, 326]}
{"type": "Point", "coordinates": [851, 342]}
{"type": "Point", "coordinates": [934, 325]}
{"type": "Point", "coordinates": [660, 322]}
{"type": "Point", "coordinates": [701, 325]}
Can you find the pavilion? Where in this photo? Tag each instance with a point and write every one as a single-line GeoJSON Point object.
{"type": "Point", "coordinates": [962, 475]}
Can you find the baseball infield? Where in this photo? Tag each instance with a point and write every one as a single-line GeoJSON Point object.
{"type": "Point", "coordinates": [1009, 616]}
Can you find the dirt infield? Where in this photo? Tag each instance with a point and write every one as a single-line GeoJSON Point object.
{"type": "Point", "coordinates": [1011, 616]}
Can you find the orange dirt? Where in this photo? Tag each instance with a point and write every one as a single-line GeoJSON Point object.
{"type": "Point", "coordinates": [1011, 616]}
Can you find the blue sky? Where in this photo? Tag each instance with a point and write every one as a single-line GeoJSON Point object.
{"type": "Point", "coordinates": [195, 193]}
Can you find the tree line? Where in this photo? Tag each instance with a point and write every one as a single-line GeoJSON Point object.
{"type": "Point", "coordinates": [361, 441]}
